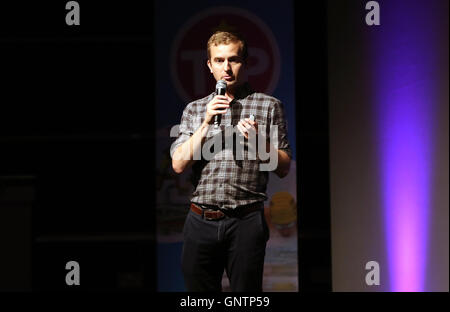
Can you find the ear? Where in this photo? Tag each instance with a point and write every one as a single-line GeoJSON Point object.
{"type": "Point", "coordinates": [209, 65]}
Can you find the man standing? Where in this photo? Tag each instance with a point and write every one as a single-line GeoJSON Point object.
{"type": "Point", "coordinates": [225, 227]}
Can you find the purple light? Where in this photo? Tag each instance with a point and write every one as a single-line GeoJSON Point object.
{"type": "Point", "coordinates": [404, 107]}
{"type": "Point", "coordinates": [405, 159]}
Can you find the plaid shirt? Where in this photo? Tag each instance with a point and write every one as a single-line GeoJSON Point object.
{"type": "Point", "coordinates": [224, 180]}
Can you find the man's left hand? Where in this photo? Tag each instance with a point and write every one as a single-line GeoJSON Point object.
{"type": "Point", "coordinates": [248, 127]}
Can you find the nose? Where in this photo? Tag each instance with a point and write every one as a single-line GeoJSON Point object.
{"type": "Point", "coordinates": [226, 65]}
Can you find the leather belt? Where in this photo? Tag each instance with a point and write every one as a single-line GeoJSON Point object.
{"type": "Point", "coordinates": [217, 214]}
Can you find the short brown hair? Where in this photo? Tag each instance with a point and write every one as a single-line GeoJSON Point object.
{"type": "Point", "coordinates": [226, 37]}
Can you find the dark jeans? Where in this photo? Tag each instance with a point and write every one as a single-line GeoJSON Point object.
{"type": "Point", "coordinates": [237, 245]}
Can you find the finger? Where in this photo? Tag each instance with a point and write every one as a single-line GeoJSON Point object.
{"type": "Point", "coordinates": [218, 107]}
{"type": "Point", "coordinates": [247, 125]}
{"type": "Point", "coordinates": [253, 123]}
{"type": "Point", "coordinates": [221, 106]}
{"type": "Point", "coordinates": [220, 100]}
{"type": "Point", "coordinates": [242, 127]}
{"type": "Point", "coordinates": [214, 102]}
{"type": "Point", "coordinates": [218, 111]}
{"type": "Point", "coordinates": [245, 129]}
{"type": "Point", "coordinates": [253, 126]}
{"type": "Point", "coordinates": [224, 105]}
{"type": "Point", "coordinates": [242, 130]}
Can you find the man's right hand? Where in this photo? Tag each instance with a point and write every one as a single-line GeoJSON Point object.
{"type": "Point", "coordinates": [218, 105]}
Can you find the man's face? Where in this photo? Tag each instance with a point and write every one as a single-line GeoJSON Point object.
{"type": "Point", "coordinates": [226, 64]}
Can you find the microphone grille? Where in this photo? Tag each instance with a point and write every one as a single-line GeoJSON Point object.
{"type": "Point", "coordinates": [221, 84]}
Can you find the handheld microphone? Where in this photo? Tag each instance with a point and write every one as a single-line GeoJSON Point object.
{"type": "Point", "coordinates": [221, 88]}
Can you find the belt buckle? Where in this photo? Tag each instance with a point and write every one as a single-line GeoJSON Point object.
{"type": "Point", "coordinates": [211, 219]}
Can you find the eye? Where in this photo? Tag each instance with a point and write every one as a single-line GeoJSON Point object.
{"type": "Point", "coordinates": [235, 60]}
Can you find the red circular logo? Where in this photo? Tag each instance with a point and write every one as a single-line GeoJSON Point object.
{"type": "Point", "coordinates": [190, 73]}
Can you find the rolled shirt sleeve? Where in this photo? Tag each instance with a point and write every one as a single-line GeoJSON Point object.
{"type": "Point", "coordinates": [185, 130]}
{"type": "Point", "coordinates": [278, 119]}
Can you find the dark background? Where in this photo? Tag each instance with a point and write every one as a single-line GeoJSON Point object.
{"type": "Point", "coordinates": [76, 142]}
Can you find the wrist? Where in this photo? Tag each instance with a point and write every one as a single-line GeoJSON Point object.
{"type": "Point", "coordinates": [205, 124]}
